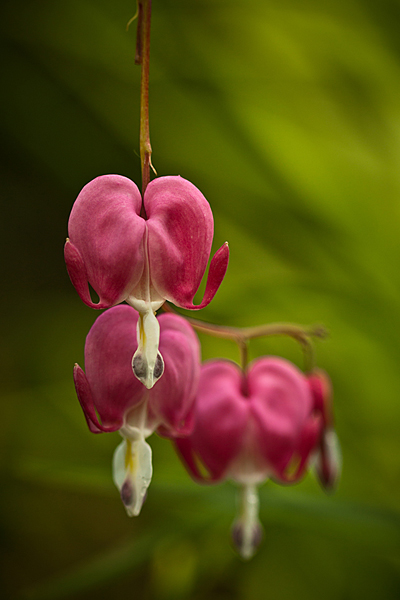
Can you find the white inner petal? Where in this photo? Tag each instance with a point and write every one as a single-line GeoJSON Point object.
{"type": "Point", "coordinates": [132, 472]}
{"type": "Point", "coordinates": [147, 362]}
{"type": "Point", "coordinates": [247, 529]}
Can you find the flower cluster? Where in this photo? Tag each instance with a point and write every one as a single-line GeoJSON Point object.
{"type": "Point", "coordinates": [143, 374]}
{"type": "Point", "coordinates": [143, 253]}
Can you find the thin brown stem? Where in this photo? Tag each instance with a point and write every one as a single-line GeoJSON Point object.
{"type": "Point", "coordinates": [241, 335]}
{"type": "Point", "coordinates": [143, 58]}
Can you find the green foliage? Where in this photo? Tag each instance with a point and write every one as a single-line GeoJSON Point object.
{"type": "Point", "coordinates": [286, 115]}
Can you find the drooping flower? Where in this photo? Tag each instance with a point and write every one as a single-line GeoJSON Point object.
{"type": "Point", "coordinates": [143, 260]}
{"type": "Point", "coordinates": [267, 423]}
{"type": "Point", "coordinates": [113, 399]}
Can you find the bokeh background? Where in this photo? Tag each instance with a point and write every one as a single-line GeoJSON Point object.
{"type": "Point", "coordinates": [286, 114]}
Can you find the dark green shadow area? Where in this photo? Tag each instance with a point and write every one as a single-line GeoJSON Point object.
{"type": "Point", "coordinates": [286, 115]}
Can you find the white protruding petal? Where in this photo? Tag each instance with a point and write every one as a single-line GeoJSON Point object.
{"type": "Point", "coordinates": [247, 530]}
{"type": "Point", "coordinates": [329, 470]}
{"type": "Point", "coordinates": [147, 362]}
{"type": "Point", "coordinates": [132, 472]}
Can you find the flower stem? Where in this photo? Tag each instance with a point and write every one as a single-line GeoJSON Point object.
{"type": "Point", "coordinates": [143, 58]}
{"type": "Point", "coordinates": [241, 335]}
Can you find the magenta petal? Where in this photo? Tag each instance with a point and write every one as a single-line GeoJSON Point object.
{"type": "Point", "coordinates": [216, 273]}
{"type": "Point", "coordinates": [187, 454]}
{"type": "Point", "coordinates": [107, 240]}
{"type": "Point", "coordinates": [321, 389]}
{"type": "Point", "coordinates": [181, 227]}
{"type": "Point", "coordinates": [183, 429]}
{"type": "Point", "coordinates": [308, 442]}
{"type": "Point", "coordinates": [172, 397]}
{"type": "Point", "coordinates": [221, 415]}
{"type": "Point", "coordinates": [77, 272]}
{"type": "Point", "coordinates": [109, 348]}
{"type": "Point", "coordinates": [86, 401]}
{"type": "Point", "coordinates": [281, 403]}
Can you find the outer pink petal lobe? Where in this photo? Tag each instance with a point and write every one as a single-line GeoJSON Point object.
{"type": "Point", "coordinates": [181, 227]}
{"type": "Point", "coordinates": [107, 233]}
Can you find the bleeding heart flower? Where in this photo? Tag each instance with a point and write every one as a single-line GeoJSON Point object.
{"type": "Point", "coordinates": [113, 399]}
{"type": "Point", "coordinates": [264, 424]}
{"type": "Point", "coordinates": [143, 260]}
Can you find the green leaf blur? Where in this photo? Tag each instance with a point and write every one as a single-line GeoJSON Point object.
{"type": "Point", "coordinates": [286, 114]}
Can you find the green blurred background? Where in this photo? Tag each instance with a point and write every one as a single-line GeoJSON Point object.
{"type": "Point", "coordinates": [286, 114]}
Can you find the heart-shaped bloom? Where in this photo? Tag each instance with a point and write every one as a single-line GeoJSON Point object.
{"type": "Point", "coordinates": [143, 260]}
{"type": "Point", "coordinates": [113, 399]}
{"type": "Point", "coordinates": [264, 424]}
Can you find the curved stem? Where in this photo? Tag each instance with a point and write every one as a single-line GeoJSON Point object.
{"type": "Point", "coordinates": [241, 335]}
{"type": "Point", "coordinates": [143, 58]}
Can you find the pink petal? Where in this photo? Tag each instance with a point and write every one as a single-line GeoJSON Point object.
{"type": "Point", "coordinates": [321, 389]}
{"type": "Point", "coordinates": [221, 416]}
{"type": "Point", "coordinates": [77, 273]}
{"type": "Point", "coordinates": [109, 348]}
{"type": "Point", "coordinates": [306, 446]}
{"type": "Point", "coordinates": [191, 460]}
{"type": "Point", "coordinates": [280, 404]}
{"type": "Point", "coordinates": [181, 227]}
{"type": "Point", "coordinates": [86, 401]}
{"type": "Point", "coordinates": [172, 397]}
{"type": "Point", "coordinates": [183, 429]}
{"type": "Point", "coordinates": [106, 236]}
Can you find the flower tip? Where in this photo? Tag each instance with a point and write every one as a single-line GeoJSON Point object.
{"type": "Point", "coordinates": [246, 541]}
{"type": "Point", "coordinates": [147, 373]}
{"type": "Point", "coordinates": [132, 473]}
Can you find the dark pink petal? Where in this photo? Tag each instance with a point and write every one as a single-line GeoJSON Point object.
{"type": "Point", "coordinates": [321, 389]}
{"type": "Point", "coordinates": [281, 404]}
{"type": "Point", "coordinates": [221, 416]}
{"type": "Point", "coordinates": [183, 429]}
{"type": "Point", "coordinates": [86, 401]}
{"type": "Point", "coordinates": [308, 442]}
{"type": "Point", "coordinates": [172, 397]}
{"type": "Point", "coordinates": [109, 348]}
{"type": "Point", "coordinates": [192, 462]}
{"type": "Point", "coordinates": [107, 240]}
{"type": "Point", "coordinates": [181, 227]}
{"type": "Point", "coordinates": [77, 272]}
